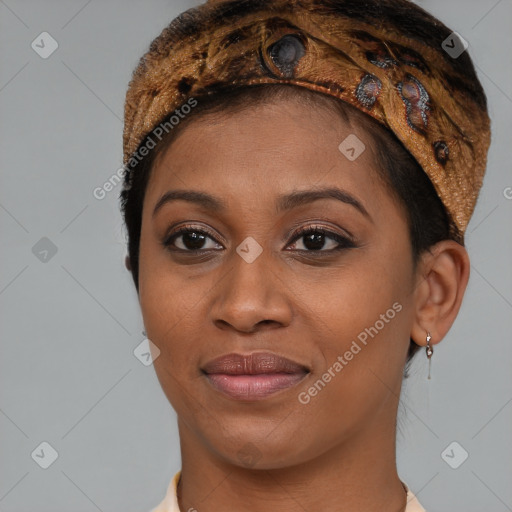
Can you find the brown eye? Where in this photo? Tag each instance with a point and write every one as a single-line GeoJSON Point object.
{"type": "Point", "coordinates": [318, 239]}
{"type": "Point", "coordinates": [188, 239]}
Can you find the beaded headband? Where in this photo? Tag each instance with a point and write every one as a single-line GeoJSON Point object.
{"type": "Point", "coordinates": [390, 59]}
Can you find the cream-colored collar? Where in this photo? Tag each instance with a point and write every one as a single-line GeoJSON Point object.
{"type": "Point", "coordinates": [170, 502]}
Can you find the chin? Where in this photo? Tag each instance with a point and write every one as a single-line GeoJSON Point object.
{"type": "Point", "coordinates": [258, 451]}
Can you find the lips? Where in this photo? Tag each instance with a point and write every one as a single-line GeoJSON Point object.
{"type": "Point", "coordinates": [254, 376]}
{"type": "Point", "coordinates": [253, 364]}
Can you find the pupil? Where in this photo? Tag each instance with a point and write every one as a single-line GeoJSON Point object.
{"type": "Point", "coordinates": [317, 240]}
{"type": "Point", "coordinates": [193, 240]}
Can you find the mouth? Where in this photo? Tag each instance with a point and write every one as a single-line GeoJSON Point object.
{"type": "Point", "coordinates": [253, 377]}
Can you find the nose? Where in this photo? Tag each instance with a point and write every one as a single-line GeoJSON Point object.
{"type": "Point", "coordinates": [252, 297]}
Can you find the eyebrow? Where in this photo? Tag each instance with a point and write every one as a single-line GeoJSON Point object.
{"type": "Point", "coordinates": [284, 202]}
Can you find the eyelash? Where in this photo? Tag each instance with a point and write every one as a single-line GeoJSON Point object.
{"type": "Point", "coordinates": [343, 241]}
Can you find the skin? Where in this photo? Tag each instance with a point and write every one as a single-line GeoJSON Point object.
{"type": "Point", "coordinates": [336, 452]}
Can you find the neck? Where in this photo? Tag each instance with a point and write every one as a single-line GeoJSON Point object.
{"type": "Point", "coordinates": [357, 474]}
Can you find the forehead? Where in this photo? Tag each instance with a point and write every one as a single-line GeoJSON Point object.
{"type": "Point", "coordinates": [269, 149]}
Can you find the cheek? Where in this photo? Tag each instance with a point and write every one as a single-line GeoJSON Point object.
{"type": "Point", "coordinates": [352, 297]}
{"type": "Point", "coordinates": [362, 336]}
{"type": "Point", "coordinates": [174, 305]}
{"type": "Point", "coordinates": [170, 307]}
{"type": "Point", "coordinates": [162, 294]}
{"type": "Point", "coordinates": [363, 315]}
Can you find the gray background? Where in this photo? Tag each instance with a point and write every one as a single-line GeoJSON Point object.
{"type": "Point", "coordinates": [69, 326]}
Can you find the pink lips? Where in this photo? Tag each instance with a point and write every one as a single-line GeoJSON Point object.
{"type": "Point", "coordinates": [254, 376]}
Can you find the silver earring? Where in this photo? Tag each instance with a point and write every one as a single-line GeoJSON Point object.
{"type": "Point", "coordinates": [429, 351]}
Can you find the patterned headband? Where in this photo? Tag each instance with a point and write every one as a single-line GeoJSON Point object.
{"type": "Point", "coordinates": [389, 59]}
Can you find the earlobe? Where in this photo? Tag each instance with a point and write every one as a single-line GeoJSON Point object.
{"type": "Point", "coordinates": [443, 277]}
{"type": "Point", "coordinates": [127, 263]}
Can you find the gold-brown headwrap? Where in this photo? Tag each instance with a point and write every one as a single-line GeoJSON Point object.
{"type": "Point", "coordinates": [387, 58]}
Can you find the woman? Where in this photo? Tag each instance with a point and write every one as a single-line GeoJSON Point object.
{"type": "Point", "coordinates": [299, 178]}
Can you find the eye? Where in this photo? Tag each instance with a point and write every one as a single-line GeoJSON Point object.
{"type": "Point", "coordinates": [314, 239]}
{"type": "Point", "coordinates": [319, 239]}
{"type": "Point", "coordinates": [190, 239]}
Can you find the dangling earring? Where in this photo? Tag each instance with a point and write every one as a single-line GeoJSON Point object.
{"type": "Point", "coordinates": [429, 351]}
{"type": "Point", "coordinates": [144, 333]}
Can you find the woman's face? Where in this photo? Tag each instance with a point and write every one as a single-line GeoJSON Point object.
{"type": "Point", "coordinates": [338, 303]}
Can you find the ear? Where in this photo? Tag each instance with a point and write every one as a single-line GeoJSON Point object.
{"type": "Point", "coordinates": [442, 277]}
{"type": "Point", "coordinates": [127, 263]}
